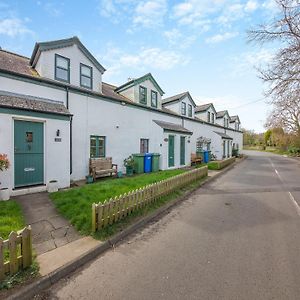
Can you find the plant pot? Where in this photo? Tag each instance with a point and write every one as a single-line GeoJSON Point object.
{"type": "Point", "coordinates": [4, 194]}
{"type": "Point", "coordinates": [120, 174]}
{"type": "Point", "coordinates": [129, 171]}
{"type": "Point", "coordinates": [52, 186]}
{"type": "Point", "coordinates": [89, 179]}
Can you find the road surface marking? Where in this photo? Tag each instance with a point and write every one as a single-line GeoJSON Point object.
{"type": "Point", "coordinates": [289, 193]}
{"type": "Point", "coordinates": [295, 202]}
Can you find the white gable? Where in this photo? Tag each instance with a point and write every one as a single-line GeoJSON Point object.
{"type": "Point", "coordinates": [46, 65]}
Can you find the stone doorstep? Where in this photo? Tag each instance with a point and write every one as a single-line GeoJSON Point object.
{"type": "Point", "coordinates": [60, 256]}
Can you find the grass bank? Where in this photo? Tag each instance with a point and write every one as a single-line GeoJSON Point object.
{"type": "Point", "coordinates": [75, 204]}
{"type": "Point", "coordinates": [11, 218]}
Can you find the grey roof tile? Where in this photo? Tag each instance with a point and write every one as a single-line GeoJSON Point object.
{"type": "Point", "coordinates": [203, 107]}
{"type": "Point", "coordinates": [25, 102]}
{"type": "Point", "coordinates": [223, 135]}
{"type": "Point", "coordinates": [16, 63]}
{"type": "Point", "coordinates": [172, 126]}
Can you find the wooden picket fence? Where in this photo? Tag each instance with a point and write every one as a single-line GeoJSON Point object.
{"type": "Point", "coordinates": [19, 247]}
{"type": "Point", "coordinates": [115, 209]}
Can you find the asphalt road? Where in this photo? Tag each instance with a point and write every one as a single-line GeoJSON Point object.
{"type": "Point", "coordinates": [236, 238]}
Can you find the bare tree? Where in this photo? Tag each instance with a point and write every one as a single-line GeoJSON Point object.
{"type": "Point", "coordinates": [283, 74]}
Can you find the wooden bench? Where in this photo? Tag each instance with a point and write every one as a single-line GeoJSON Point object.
{"type": "Point", "coordinates": [102, 166]}
{"type": "Point", "coordinates": [195, 159]}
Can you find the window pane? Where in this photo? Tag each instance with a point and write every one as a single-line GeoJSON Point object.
{"type": "Point", "coordinates": [62, 62]}
{"type": "Point", "coordinates": [144, 145]}
{"type": "Point", "coordinates": [183, 108]}
{"type": "Point", "coordinates": [85, 81]}
{"type": "Point", "coordinates": [87, 71]}
{"type": "Point", "coordinates": [62, 74]}
{"type": "Point", "coordinates": [153, 99]}
{"type": "Point", "coordinates": [93, 142]}
{"type": "Point", "coordinates": [93, 152]}
{"type": "Point", "coordinates": [143, 98]}
{"type": "Point", "coordinates": [101, 146]}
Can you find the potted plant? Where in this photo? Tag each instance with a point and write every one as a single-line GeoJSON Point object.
{"type": "Point", "coordinates": [52, 186]}
{"type": "Point", "coordinates": [129, 165]}
{"type": "Point", "coordinates": [89, 179]}
{"type": "Point", "coordinates": [4, 165]}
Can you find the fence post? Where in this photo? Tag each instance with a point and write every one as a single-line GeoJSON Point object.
{"type": "Point", "coordinates": [94, 217]}
{"type": "Point", "coordinates": [1, 259]}
{"type": "Point", "coordinates": [13, 259]}
{"type": "Point", "coordinates": [26, 247]}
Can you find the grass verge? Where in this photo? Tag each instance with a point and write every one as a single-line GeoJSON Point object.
{"type": "Point", "coordinates": [11, 219]}
{"type": "Point", "coordinates": [75, 204]}
{"type": "Point", "coordinates": [110, 230]}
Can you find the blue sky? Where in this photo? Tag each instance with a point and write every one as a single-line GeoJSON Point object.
{"type": "Point", "coordinates": [194, 45]}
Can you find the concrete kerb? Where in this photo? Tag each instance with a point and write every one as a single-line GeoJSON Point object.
{"type": "Point", "coordinates": [28, 292]}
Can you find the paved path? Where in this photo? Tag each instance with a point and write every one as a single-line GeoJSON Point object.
{"type": "Point", "coordinates": [236, 238]}
{"type": "Point", "coordinates": [49, 229]}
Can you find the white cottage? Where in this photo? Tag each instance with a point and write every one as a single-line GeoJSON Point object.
{"type": "Point", "coordinates": [56, 112]}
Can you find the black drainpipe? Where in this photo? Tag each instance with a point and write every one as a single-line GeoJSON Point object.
{"type": "Point", "coordinates": [67, 97]}
{"type": "Point", "coordinates": [71, 121]}
{"type": "Point", "coordinates": [71, 145]}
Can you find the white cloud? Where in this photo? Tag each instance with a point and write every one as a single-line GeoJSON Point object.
{"type": "Point", "coordinates": [53, 9]}
{"type": "Point", "coordinates": [13, 27]}
{"type": "Point", "coordinates": [194, 12]}
{"type": "Point", "coordinates": [221, 37]}
{"type": "Point", "coordinates": [145, 59]}
{"type": "Point", "coordinates": [150, 13]}
{"type": "Point", "coordinates": [251, 6]}
{"type": "Point", "coordinates": [246, 62]}
{"type": "Point", "coordinates": [107, 8]}
{"type": "Point", "coordinates": [176, 38]}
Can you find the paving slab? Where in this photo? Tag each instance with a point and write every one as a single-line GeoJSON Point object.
{"type": "Point", "coordinates": [58, 257]}
{"type": "Point", "coordinates": [49, 229]}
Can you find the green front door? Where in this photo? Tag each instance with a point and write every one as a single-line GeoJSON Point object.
{"type": "Point", "coordinates": [182, 150]}
{"type": "Point", "coordinates": [228, 147]}
{"type": "Point", "coordinates": [29, 153]}
{"type": "Point", "coordinates": [171, 151]}
{"type": "Point", "coordinates": [224, 149]}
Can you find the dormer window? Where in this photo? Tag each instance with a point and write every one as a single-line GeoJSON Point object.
{"type": "Point", "coordinates": [183, 108]}
{"type": "Point", "coordinates": [86, 76]}
{"type": "Point", "coordinates": [143, 95]}
{"type": "Point", "coordinates": [62, 68]}
{"type": "Point", "coordinates": [153, 99]}
{"type": "Point", "coordinates": [190, 111]}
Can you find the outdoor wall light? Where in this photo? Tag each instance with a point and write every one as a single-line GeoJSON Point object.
{"type": "Point", "coordinates": [57, 132]}
{"type": "Point", "coordinates": [117, 126]}
{"type": "Point", "coordinates": [166, 139]}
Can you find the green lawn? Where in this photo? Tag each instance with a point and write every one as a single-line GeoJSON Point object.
{"type": "Point", "coordinates": [11, 218]}
{"type": "Point", "coordinates": [76, 204]}
{"type": "Point", "coordinates": [213, 165]}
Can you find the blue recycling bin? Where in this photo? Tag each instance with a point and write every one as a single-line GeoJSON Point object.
{"type": "Point", "coordinates": [206, 156]}
{"type": "Point", "coordinates": [148, 162]}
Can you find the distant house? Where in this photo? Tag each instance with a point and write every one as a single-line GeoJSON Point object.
{"type": "Point", "coordinates": [56, 113]}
